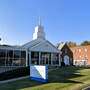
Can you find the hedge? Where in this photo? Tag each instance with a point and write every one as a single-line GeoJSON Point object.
{"type": "Point", "coordinates": [19, 72]}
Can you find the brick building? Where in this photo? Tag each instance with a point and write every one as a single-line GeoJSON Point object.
{"type": "Point", "coordinates": [67, 54]}
{"type": "Point", "coordinates": [81, 55]}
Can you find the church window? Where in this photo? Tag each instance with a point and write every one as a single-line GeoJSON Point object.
{"type": "Point", "coordinates": [79, 50]}
{"type": "Point", "coordinates": [85, 50]}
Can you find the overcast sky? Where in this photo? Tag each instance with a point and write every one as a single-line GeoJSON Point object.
{"type": "Point", "coordinates": [63, 20]}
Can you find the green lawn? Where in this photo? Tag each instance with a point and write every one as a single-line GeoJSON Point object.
{"type": "Point", "coordinates": [66, 78]}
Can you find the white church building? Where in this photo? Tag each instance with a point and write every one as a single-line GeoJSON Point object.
{"type": "Point", "coordinates": [39, 51]}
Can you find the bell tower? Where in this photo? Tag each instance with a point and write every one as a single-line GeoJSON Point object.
{"type": "Point", "coordinates": [39, 31]}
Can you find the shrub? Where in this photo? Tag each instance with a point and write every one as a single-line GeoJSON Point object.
{"type": "Point", "coordinates": [19, 72]}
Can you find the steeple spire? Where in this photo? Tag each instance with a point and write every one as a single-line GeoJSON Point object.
{"type": "Point", "coordinates": [39, 31]}
{"type": "Point", "coordinates": [39, 21]}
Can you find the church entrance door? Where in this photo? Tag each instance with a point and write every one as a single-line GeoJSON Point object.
{"type": "Point", "coordinates": [45, 59]}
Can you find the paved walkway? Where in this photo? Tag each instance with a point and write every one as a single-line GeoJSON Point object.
{"type": "Point", "coordinates": [12, 80]}
{"type": "Point", "coordinates": [87, 88]}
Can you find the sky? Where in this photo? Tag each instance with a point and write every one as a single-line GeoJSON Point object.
{"type": "Point", "coordinates": [63, 20]}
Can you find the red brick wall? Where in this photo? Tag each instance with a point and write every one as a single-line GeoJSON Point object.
{"type": "Point", "coordinates": [83, 53]}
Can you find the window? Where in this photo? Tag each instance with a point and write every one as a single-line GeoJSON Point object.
{"type": "Point", "coordinates": [2, 53]}
{"type": "Point", "coordinates": [10, 61]}
{"type": "Point", "coordinates": [34, 57]}
{"type": "Point", "coordinates": [45, 58]}
{"type": "Point", "coordinates": [86, 57]}
{"type": "Point", "coordinates": [79, 57]}
{"type": "Point", "coordinates": [55, 58]}
{"type": "Point", "coordinates": [85, 50]}
{"type": "Point", "coordinates": [2, 57]}
{"type": "Point", "coordinates": [10, 53]}
{"type": "Point", "coordinates": [16, 62]}
{"type": "Point", "coordinates": [23, 54]}
{"type": "Point", "coordinates": [17, 54]}
{"type": "Point", "coordinates": [75, 62]}
{"type": "Point", "coordinates": [79, 50]}
{"type": "Point", "coordinates": [66, 60]}
{"type": "Point", "coordinates": [74, 51]}
{"type": "Point", "coordinates": [2, 62]}
{"type": "Point", "coordinates": [85, 62]}
{"type": "Point", "coordinates": [12, 57]}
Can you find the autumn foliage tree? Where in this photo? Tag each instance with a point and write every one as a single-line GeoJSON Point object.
{"type": "Point", "coordinates": [71, 44]}
{"type": "Point", "coordinates": [85, 43]}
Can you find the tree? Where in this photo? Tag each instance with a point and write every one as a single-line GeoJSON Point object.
{"type": "Point", "coordinates": [70, 44]}
{"type": "Point", "coordinates": [84, 43]}
{"type": "Point", "coordinates": [57, 45]}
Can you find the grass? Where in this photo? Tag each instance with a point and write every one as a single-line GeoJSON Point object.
{"type": "Point", "coordinates": [66, 78]}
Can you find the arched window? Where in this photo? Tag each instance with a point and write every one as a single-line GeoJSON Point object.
{"type": "Point", "coordinates": [66, 60]}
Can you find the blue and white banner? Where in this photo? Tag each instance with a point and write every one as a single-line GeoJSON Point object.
{"type": "Point", "coordinates": [39, 73]}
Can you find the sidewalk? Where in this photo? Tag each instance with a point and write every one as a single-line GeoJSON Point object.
{"type": "Point", "coordinates": [87, 88]}
{"type": "Point", "coordinates": [12, 80]}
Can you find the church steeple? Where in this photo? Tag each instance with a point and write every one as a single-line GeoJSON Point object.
{"type": "Point", "coordinates": [39, 31]}
{"type": "Point", "coordinates": [39, 21]}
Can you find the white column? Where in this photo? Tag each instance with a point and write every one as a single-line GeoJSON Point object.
{"type": "Point", "coordinates": [26, 58]}
{"type": "Point", "coordinates": [13, 56]}
{"type": "Point", "coordinates": [39, 57]}
{"type": "Point", "coordinates": [59, 60]}
{"type": "Point", "coordinates": [51, 58]}
{"type": "Point", "coordinates": [29, 58]}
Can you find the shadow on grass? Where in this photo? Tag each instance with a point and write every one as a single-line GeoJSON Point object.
{"type": "Point", "coordinates": [62, 75]}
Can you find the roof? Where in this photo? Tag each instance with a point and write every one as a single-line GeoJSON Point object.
{"type": "Point", "coordinates": [11, 47]}
{"type": "Point", "coordinates": [61, 45]}
{"type": "Point", "coordinates": [36, 43]}
{"type": "Point", "coordinates": [49, 48]}
{"type": "Point", "coordinates": [31, 43]}
{"type": "Point", "coordinates": [28, 43]}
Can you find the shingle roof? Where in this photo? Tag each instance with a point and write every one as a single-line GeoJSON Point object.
{"type": "Point", "coordinates": [61, 45]}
